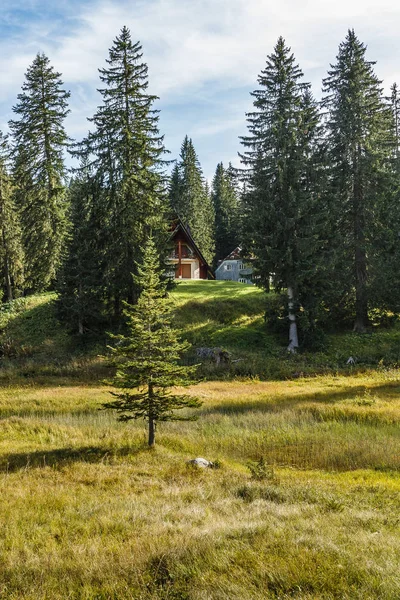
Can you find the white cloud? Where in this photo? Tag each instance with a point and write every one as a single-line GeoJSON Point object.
{"type": "Point", "coordinates": [197, 49]}
{"type": "Point", "coordinates": [190, 44]}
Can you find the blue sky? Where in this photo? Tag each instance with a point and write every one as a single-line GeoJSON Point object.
{"type": "Point", "coordinates": [203, 55]}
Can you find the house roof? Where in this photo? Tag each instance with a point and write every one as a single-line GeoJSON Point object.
{"type": "Point", "coordinates": [234, 255]}
{"type": "Point", "coordinates": [179, 226]}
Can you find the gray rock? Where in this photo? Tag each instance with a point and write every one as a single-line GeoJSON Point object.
{"type": "Point", "coordinates": [217, 355]}
{"type": "Point", "coordinates": [201, 462]}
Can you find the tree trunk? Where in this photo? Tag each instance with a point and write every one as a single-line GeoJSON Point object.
{"type": "Point", "coordinates": [80, 318]}
{"type": "Point", "coordinates": [131, 283]}
{"type": "Point", "coordinates": [360, 254]}
{"type": "Point", "coordinates": [361, 321]}
{"type": "Point", "coordinates": [152, 425]}
{"type": "Point", "coordinates": [152, 432]}
{"type": "Point", "coordinates": [117, 306]}
{"type": "Point", "coordinates": [7, 276]}
{"type": "Point", "coordinates": [293, 338]}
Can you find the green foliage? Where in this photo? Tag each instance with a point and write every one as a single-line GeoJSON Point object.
{"type": "Point", "coordinates": [81, 282]}
{"type": "Point", "coordinates": [147, 357]}
{"type": "Point", "coordinates": [39, 142]}
{"type": "Point", "coordinates": [261, 470]}
{"type": "Point", "coordinates": [190, 199]}
{"type": "Point", "coordinates": [363, 203]}
{"type": "Point", "coordinates": [283, 213]}
{"type": "Point", "coordinates": [124, 186]}
{"type": "Point", "coordinates": [11, 253]}
{"type": "Point", "coordinates": [226, 208]}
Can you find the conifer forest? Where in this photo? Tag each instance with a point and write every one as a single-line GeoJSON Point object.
{"type": "Point", "coordinates": [315, 202]}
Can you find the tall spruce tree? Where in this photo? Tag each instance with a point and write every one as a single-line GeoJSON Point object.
{"type": "Point", "coordinates": [191, 201]}
{"type": "Point", "coordinates": [126, 153]}
{"type": "Point", "coordinates": [226, 207]}
{"type": "Point", "coordinates": [395, 106]}
{"type": "Point", "coordinates": [147, 357]}
{"type": "Point", "coordinates": [80, 282]}
{"type": "Point", "coordinates": [281, 206]}
{"type": "Point", "coordinates": [39, 142]}
{"type": "Point", "coordinates": [359, 131]}
{"type": "Point", "coordinates": [11, 253]}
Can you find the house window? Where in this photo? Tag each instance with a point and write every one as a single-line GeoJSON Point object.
{"type": "Point", "coordinates": [241, 280]}
{"type": "Point", "coordinates": [241, 266]}
{"type": "Point", "coordinates": [228, 267]}
{"type": "Point", "coordinates": [186, 251]}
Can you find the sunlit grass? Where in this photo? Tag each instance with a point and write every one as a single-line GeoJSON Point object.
{"type": "Point", "coordinates": [88, 513]}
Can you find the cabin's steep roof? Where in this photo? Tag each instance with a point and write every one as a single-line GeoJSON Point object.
{"type": "Point", "coordinates": [179, 227]}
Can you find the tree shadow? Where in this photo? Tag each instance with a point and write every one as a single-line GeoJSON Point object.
{"type": "Point", "coordinates": [288, 402]}
{"type": "Point", "coordinates": [61, 457]}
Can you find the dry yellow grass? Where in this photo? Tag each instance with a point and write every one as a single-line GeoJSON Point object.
{"type": "Point", "coordinates": [88, 513]}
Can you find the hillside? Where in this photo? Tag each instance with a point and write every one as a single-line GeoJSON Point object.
{"type": "Point", "coordinates": [229, 315]}
{"type": "Point", "coordinates": [304, 501]}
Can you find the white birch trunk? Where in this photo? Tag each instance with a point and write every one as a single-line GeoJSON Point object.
{"type": "Point", "coordinates": [293, 339]}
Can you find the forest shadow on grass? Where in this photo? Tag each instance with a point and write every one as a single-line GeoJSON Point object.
{"type": "Point", "coordinates": [61, 457]}
{"type": "Point", "coordinates": [288, 402]}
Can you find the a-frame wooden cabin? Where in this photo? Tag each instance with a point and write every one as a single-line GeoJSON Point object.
{"type": "Point", "coordinates": [186, 258]}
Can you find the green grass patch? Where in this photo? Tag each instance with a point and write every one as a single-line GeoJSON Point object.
{"type": "Point", "coordinates": [34, 346]}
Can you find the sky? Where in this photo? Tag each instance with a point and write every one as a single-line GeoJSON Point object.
{"type": "Point", "coordinates": [203, 55]}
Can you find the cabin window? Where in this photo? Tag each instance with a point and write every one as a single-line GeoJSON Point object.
{"type": "Point", "coordinates": [186, 251]}
{"type": "Point", "coordinates": [241, 280]}
{"type": "Point", "coordinates": [228, 267]}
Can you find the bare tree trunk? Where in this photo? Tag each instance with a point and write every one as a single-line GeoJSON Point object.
{"type": "Point", "coordinates": [293, 338]}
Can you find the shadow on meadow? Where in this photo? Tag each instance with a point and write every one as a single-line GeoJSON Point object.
{"type": "Point", "coordinates": [61, 457]}
{"type": "Point", "coordinates": [359, 396]}
{"type": "Point", "coordinates": [32, 329]}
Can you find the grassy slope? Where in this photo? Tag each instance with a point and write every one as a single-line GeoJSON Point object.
{"type": "Point", "coordinates": [33, 344]}
{"type": "Point", "coordinates": [88, 513]}
{"type": "Point", "coordinates": [231, 315]}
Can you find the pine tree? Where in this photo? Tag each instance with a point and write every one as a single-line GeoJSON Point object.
{"type": "Point", "coordinates": [190, 200]}
{"type": "Point", "coordinates": [395, 106]}
{"type": "Point", "coordinates": [174, 190]}
{"type": "Point", "coordinates": [11, 254]}
{"type": "Point", "coordinates": [226, 207]}
{"type": "Point", "coordinates": [147, 357]}
{"type": "Point", "coordinates": [360, 138]}
{"type": "Point", "coordinates": [80, 283]}
{"type": "Point", "coordinates": [125, 151]}
{"type": "Point", "coordinates": [39, 141]}
{"type": "Point", "coordinates": [281, 206]}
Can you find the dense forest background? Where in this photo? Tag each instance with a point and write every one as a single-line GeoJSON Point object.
{"type": "Point", "coordinates": [315, 204]}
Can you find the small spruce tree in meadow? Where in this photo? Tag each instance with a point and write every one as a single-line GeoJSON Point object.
{"type": "Point", "coordinates": [147, 357]}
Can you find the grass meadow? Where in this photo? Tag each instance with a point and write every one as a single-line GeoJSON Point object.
{"type": "Point", "coordinates": [87, 512]}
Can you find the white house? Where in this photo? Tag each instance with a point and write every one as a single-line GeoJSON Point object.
{"type": "Point", "coordinates": [235, 268]}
